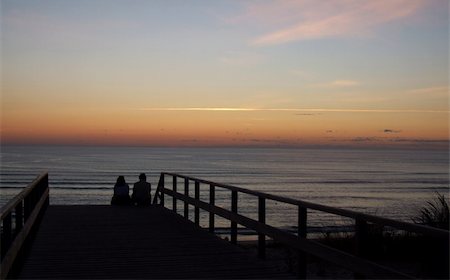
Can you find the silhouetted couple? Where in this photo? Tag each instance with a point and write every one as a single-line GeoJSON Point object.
{"type": "Point", "coordinates": [141, 192]}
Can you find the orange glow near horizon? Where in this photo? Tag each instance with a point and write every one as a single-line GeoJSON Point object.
{"type": "Point", "coordinates": [224, 128]}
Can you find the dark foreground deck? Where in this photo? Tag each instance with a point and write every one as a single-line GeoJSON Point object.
{"type": "Point", "coordinates": [130, 242]}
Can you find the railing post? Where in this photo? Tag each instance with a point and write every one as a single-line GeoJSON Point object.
{"type": "Point", "coordinates": [234, 209]}
{"type": "Point", "coordinates": [162, 189]}
{"type": "Point", "coordinates": [174, 199]}
{"type": "Point", "coordinates": [186, 193]}
{"type": "Point", "coordinates": [32, 196]}
{"type": "Point", "coordinates": [360, 241]}
{"type": "Point", "coordinates": [159, 191]}
{"type": "Point", "coordinates": [262, 219]}
{"type": "Point", "coordinates": [197, 197]}
{"type": "Point", "coordinates": [47, 201]}
{"type": "Point", "coordinates": [360, 237]}
{"type": "Point", "coordinates": [19, 218]}
{"type": "Point", "coordinates": [6, 234]}
{"type": "Point", "coordinates": [302, 231]}
{"type": "Point", "coordinates": [28, 207]}
{"type": "Point", "coordinates": [211, 202]}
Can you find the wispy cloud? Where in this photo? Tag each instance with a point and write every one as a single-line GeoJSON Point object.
{"type": "Point", "coordinates": [198, 109]}
{"type": "Point", "coordinates": [294, 20]}
{"type": "Point", "coordinates": [385, 140]}
{"type": "Point", "coordinates": [345, 83]}
{"type": "Point", "coordinates": [364, 139]}
{"type": "Point", "coordinates": [415, 140]}
{"type": "Point", "coordinates": [337, 84]}
{"type": "Point", "coordinates": [230, 109]}
{"type": "Point", "coordinates": [304, 75]}
{"type": "Point", "coordinates": [241, 59]}
{"type": "Point", "coordinates": [270, 142]}
{"type": "Point", "coordinates": [391, 131]}
{"type": "Point", "coordinates": [431, 90]}
{"type": "Point", "coordinates": [55, 29]}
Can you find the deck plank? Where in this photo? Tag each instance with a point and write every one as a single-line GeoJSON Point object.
{"type": "Point", "coordinates": [128, 242]}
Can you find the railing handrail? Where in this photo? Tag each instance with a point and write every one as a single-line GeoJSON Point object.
{"type": "Point", "coordinates": [11, 204]}
{"type": "Point", "coordinates": [354, 262]}
{"type": "Point", "coordinates": [25, 209]}
{"type": "Point", "coordinates": [333, 255]}
{"type": "Point", "coordinates": [426, 230]}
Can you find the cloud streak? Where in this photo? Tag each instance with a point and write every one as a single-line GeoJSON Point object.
{"type": "Point", "coordinates": [230, 109]}
{"type": "Point", "coordinates": [338, 84]}
{"type": "Point", "coordinates": [240, 59]}
{"type": "Point", "coordinates": [290, 20]}
{"type": "Point", "coordinates": [431, 90]}
{"type": "Point", "coordinates": [391, 131]}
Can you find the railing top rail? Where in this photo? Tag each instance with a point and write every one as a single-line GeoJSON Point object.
{"type": "Point", "coordinates": [332, 210]}
{"type": "Point", "coordinates": [8, 207]}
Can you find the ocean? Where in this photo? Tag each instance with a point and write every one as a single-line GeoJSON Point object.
{"type": "Point", "coordinates": [389, 183]}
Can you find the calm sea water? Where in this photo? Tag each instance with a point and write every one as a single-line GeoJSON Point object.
{"type": "Point", "coordinates": [389, 183]}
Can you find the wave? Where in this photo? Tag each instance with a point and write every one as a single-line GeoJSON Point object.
{"type": "Point", "coordinates": [55, 183]}
{"type": "Point", "coordinates": [293, 229]}
{"type": "Point", "coordinates": [350, 182]}
{"type": "Point", "coordinates": [63, 188]}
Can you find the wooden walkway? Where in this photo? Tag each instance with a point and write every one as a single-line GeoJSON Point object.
{"type": "Point", "coordinates": [127, 242]}
{"type": "Point", "coordinates": [130, 242]}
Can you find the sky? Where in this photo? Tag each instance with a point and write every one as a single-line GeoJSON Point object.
{"type": "Point", "coordinates": [301, 73]}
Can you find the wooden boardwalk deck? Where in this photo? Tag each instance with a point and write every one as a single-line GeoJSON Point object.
{"type": "Point", "coordinates": [130, 242]}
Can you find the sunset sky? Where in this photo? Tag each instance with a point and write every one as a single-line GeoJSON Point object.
{"type": "Point", "coordinates": [225, 73]}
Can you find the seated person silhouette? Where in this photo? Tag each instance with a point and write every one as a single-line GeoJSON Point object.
{"type": "Point", "coordinates": [121, 190]}
{"type": "Point", "coordinates": [141, 191]}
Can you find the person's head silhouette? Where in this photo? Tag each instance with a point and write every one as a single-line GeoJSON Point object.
{"type": "Point", "coordinates": [120, 180]}
{"type": "Point", "coordinates": [142, 177]}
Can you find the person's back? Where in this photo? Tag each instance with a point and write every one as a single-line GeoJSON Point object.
{"type": "Point", "coordinates": [141, 191]}
{"type": "Point", "coordinates": [121, 192]}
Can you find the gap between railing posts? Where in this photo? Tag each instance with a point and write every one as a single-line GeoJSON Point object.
{"type": "Point", "coordinates": [162, 193]}
{"type": "Point", "coordinates": [197, 209]}
{"type": "Point", "coordinates": [6, 233]}
{"type": "Point", "coordinates": [159, 193]}
{"type": "Point", "coordinates": [174, 188]}
{"type": "Point", "coordinates": [186, 193]}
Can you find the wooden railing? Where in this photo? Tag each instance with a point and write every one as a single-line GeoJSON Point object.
{"type": "Point", "coordinates": [18, 219]}
{"type": "Point", "coordinates": [354, 262]}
